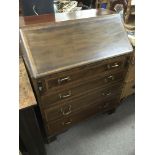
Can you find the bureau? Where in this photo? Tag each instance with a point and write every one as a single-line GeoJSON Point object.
{"type": "Point", "coordinates": [77, 68]}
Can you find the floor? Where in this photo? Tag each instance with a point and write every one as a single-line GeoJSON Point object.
{"type": "Point", "coordinates": [100, 135]}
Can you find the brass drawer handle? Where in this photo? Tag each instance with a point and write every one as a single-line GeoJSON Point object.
{"type": "Point", "coordinates": [65, 96]}
{"type": "Point", "coordinates": [115, 65]}
{"type": "Point", "coordinates": [66, 123]}
{"type": "Point", "coordinates": [111, 77]}
{"type": "Point", "coordinates": [68, 112]}
{"type": "Point", "coordinates": [106, 94]}
{"type": "Point", "coordinates": [61, 80]}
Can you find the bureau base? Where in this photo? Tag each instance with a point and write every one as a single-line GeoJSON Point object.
{"type": "Point", "coordinates": [52, 138]}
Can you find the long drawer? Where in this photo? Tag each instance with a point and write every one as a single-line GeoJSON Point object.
{"type": "Point", "coordinates": [73, 92]}
{"type": "Point", "coordinates": [69, 107]}
{"type": "Point", "coordinates": [80, 74]}
{"type": "Point", "coordinates": [55, 127]}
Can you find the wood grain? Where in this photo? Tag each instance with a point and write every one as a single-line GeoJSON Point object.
{"type": "Point", "coordinates": [130, 76]}
{"type": "Point", "coordinates": [28, 20]}
{"type": "Point", "coordinates": [129, 82]}
{"type": "Point", "coordinates": [81, 89]}
{"type": "Point", "coordinates": [55, 127]}
{"type": "Point", "coordinates": [26, 95]}
{"type": "Point", "coordinates": [128, 89]}
{"type": "Point", "coordinates": [83, 74]}
{"type": "Point", "coordinates": [68, 108]}
{"type": "Point", "coordinates": [87, 57]}
{"type": "Point", "coordinates": [69, 44]}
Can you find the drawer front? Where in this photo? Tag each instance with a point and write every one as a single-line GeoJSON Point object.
{"type": "Point", "coordinates": [73, 92]}
{"type": "Point", "coordinates": [69, 107]}
{"type": "Point", "coordinates": [80, 74]}
{"type": "Point", "coordinates": [62, 124]}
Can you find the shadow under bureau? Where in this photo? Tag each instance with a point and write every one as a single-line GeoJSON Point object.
{"type": "Point", "coordinates": [77, 68]}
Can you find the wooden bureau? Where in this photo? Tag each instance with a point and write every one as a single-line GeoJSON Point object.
{"type": "Point", "coordinates": [77, 68]}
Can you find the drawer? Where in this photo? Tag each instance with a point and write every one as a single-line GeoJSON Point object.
{"type": "Point", "coordinates": [128, 89]}
{"type": "Point", "coordinates": [69, 107]}
{"type": "Point", "coordinates": [80, 74]}
{"type": "Point", "coordinates": [73, 92]}
{"type": "Point", "coordinates": [58, 126]}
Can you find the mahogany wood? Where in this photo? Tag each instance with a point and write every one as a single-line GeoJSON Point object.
{"type": "Point", "coordinates": [62, 124]}
{"type": "Point", "coordinates": [73, 92]}
{"type": "Point", "coordinates": [69, 107]}
{"type": "Point", "coordinates": [82, 74]}
{"type": "Point", "coordinates": [77, 68]}
{"type": "Point", "coordinates": [49, 53]}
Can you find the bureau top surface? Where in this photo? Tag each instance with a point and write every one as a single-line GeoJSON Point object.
{"type": "Point", "coordinates": [54, 47]}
